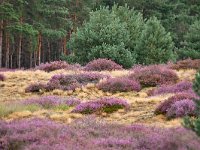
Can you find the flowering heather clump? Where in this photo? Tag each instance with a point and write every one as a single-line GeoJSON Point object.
{"type": "Point", "coordinates": [36, 87]}
{"type": "Point", "coordinates": [71, 82]}
{"type": "Point", "coordinates": [154, 75]}
{"type": "Point", "coordinates": [91, 134]}
{"type": "Point", "coordinates": [2, 77]}
{"type": "Point", "coordinates": [102, 64]}
{"type": "Point", "coordinates": [167, 104]}
{"type": "Point", "coordinates": [119, 85]}
{"type": "Point", "coordinates": [183, 86]}
{"type": "Point", "coordinates": [181, 108]}
{"type": "Point", "coordinates": [106, 104]}
{"type": "Point", "coordinates": [48, 67]}
{"type": "Point", "coordinates": [186, 64]}
{"type": "Point", "coordinates": [52, 101]}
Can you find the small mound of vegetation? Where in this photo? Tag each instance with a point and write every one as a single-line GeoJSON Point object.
{"type": "Point", "coordinates": [186, 64]}
{"type": "Point", "coordinates": [119, 85]}
{"type": "Point", "coordinates": [106, 104]}
{"type": "Point", "coordinates": [71, 82]}
{"type": "Point", "coordinates": [183, 86]}
{"type": "Point", "coordinates": [154, 75]}
{"type": "Point", "coordinates": [102, 64]}
{"type": "Point", "coordinates": [181, 108]}
{"type": "Point", "coordinates": [56, 65]}
{"type": "Point", "coordinates": [35, 87]}
{"type": "Point", "coordinates": [167, 104]}
{"type": "Point", "coordinates": [2, 77]}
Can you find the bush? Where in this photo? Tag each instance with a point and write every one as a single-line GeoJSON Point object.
{"type": "Point", "coordinates": [183, 86]}
{"type": "Point", "coordinates": [186, 64]}
{"type": "Point", "coordinates": [48, 102]}
{"type": "Point", "coordinates": [167, 104]}
{"type": "Point", "coordinates": [113, 37]}
{"type": "Point", "coordinates": [71, 82]}
{"type": "Point", "coordinates": [119, 85]}
{"type": "Point", "coordinates": [154, 75]}
{"type": "Point", "coordinates": [155, 45]}
{"type": "Point", "coordinates": [102, 64]}
{"type": "Point", "coordinates": [106, 104]}
{"type": "Point", "coordinates": [56, 65]}
{"type": "Point", "coordinates": [35, 87]}
{"type": "Point", "coordinates": [89, 133]}
{"type": "Point", "coordinates": [2, 77]}
{"type": "Point", "coordinates": [181, 108]}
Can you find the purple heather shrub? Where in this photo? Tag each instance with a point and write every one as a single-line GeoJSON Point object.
{"type": "Point", "coordinates": [53, 101]}
{"type": "Point", "coordinates": [72, 101]}
{"type": "Point", "coordinates": [186, 64]}
{"type": "Point", "coordinates": [89, 133]}
{"type": "Point", "coordinates": [2, 77]}
{"type": "Point", "coordinates": [105, 104]}
{"type": "Point", "coordinates": [102, 64]}
{"type": "Point", "coordinates": [167, 104]}
{"type": "Point", "coordinates": [183, 86]}
{"type": "Point", "coordinates": [154, 75]}
{"type": "Point", "coordinates": [55, 65]}
{"type": "Point", "coordinates": [182, 108]}
{"type": "Point", "coordinates": [35, 87]}
{"type": "Point", "coordinates": [71, 82]}
{"type": "Point", "coordinates": [119, 85]}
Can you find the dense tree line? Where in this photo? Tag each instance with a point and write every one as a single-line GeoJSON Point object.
{"type": "Point", "coordinates": [37, 31]}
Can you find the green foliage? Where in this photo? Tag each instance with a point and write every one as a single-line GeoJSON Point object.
{"type": "Point", "coordinates": [192, 42]}
{"type": "Point", "coordinates": [155, 45]}
{"type": "Point", "coordinates": [108, 34]}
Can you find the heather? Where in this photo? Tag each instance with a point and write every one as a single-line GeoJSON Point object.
{"type": "Point", "coordinates": [88, 134]}
{"type": "Point", "coordinates": [164, 106]}
{"type": "Point", "coordinates": [186, 64]}
{"type": "Point", "coordinates": [49, 102]}
{"type": "Point", "coordinates": [71, 82]}
{"type": "Point", "coordinates": [185, 107]}
{"type": "Point", "coordinates": [106, 104]}
{"type": "Point", "coordinates": [55, 65]}
{"type": "Point", "coordinates": [183, 86]}
{"type": "Point", "coordinates": [35, 87]}
{"type": "Point", "coordinates": [2, 77]}
{"type": "Point", "coordinates": [153, 75]}
{"type": "Point", "coordinates": [119, 85]}
{"type": "Point", "coordinates": [102, 64]}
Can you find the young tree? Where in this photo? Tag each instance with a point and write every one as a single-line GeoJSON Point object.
{"type": "Point", "coordinates": [116, 28]}
{"type": "Point", "coordinates": [155, 45]}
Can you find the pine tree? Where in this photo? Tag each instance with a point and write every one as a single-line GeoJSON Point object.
{"type": "Point", "coordinates": [117, 28]}
{"type": "Point", "coordinates": [155, 45]}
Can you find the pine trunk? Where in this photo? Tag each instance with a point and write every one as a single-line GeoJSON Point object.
{"type": "Point", "coordinates": [7, 50]}
{"type": "Point", "coordinates": [39, 48]}
{"type": "Point", "coordinates": [1, 42]}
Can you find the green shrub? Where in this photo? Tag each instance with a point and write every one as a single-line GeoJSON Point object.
{"type": "Point", "coordinates": [155, 45]}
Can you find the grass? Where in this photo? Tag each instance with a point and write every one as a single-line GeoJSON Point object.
{"type": "Point", "coordinates": [6, 109]}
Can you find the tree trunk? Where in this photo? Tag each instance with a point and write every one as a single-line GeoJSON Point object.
{"type": "Point", "coordinates": [31, 59]}
{"type": "Point", "coordinates": [65, 46]}
{"type": "Point", "coordinates": [20, 46]}
{"type": "Point", "coordinates": [49, 50]}
{"type": "Point", "coordinates": [1, 42]}
{"type": "Point", "coordinates": [7, 50]}
{"type": "Point", "coordinates": [39, 48]}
